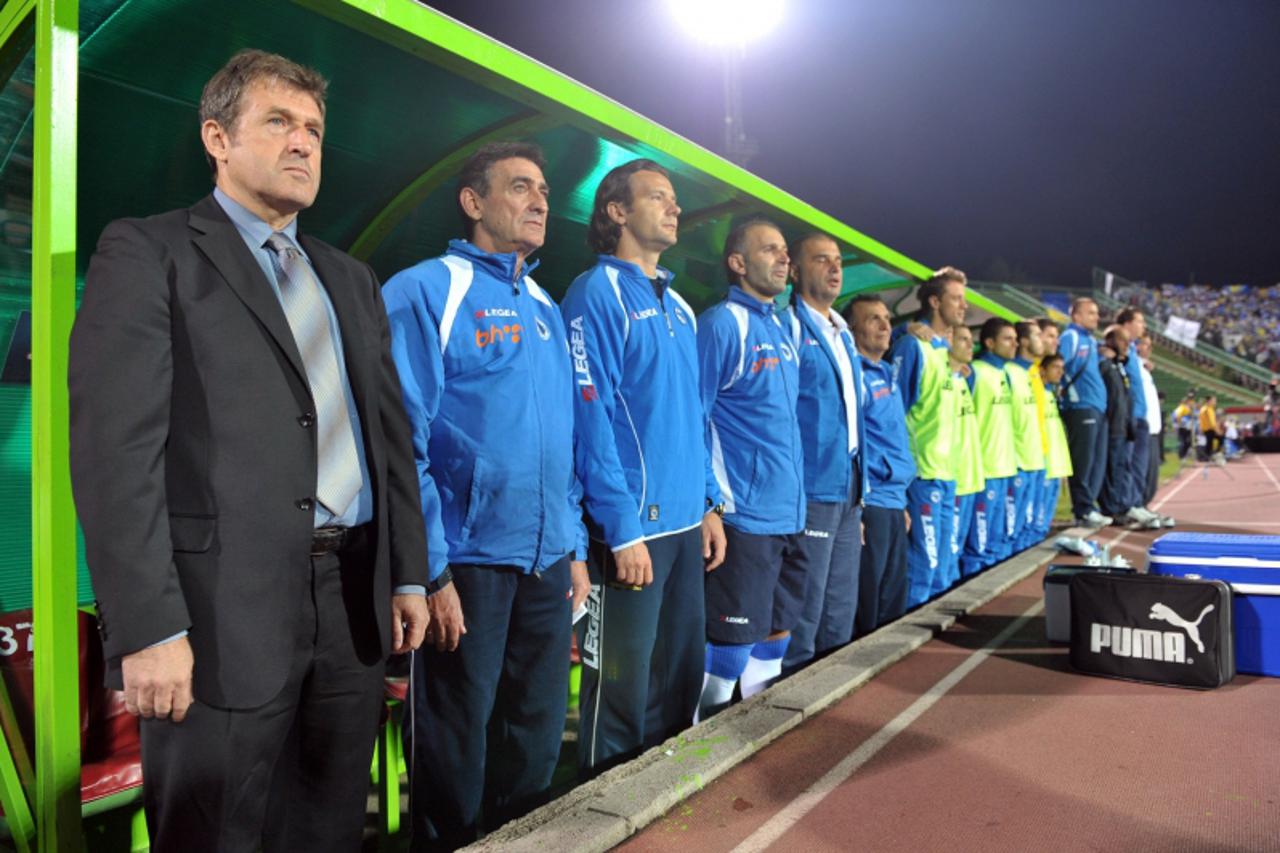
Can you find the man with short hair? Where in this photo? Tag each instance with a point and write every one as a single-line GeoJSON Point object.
{"type": "Point", "coordinates": [1155, 425]}
{"type": "Point", "coordinates": [650, 496]}
{"type": "Point", "coordinates": [1138, 450]}
{"type": "Point", "coordinates": [1057, 454]}
{"type": "Point", "coordinates": [488, 385]}
{"type": "Point", "coordinates": [829, 548]}
{"type": "Point", "coordinates": [1083, 402]}
{"type": "Point", "coordinates": [1049, 334]}
{"type": "Point", "coordinates": [1208, 420]}
{"type": "Point", "coordinates": [1185, 416]}
{"type": "Point", "coordinates": [923, 373]}
{"type": "Point", "coordinates": [1028, 438]}
{"type": "Point", "coordinates": [882, 584]}
{"type": "Point", "coordinates": [1112, 355]}
{"type": "Point", "coordinates": [244, 477]}
{"type": "Point", "coordinates": [992, 403]}
{"type": "Point", "coordinates": [967, 459]}
{"type": "Point", "coordinates": [750, 384]}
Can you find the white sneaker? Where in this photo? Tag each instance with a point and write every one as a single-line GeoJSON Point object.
{"type": "Point", "coordinates": [1096, 519]}
{"type": "Point", "coordinates": [1141, 514]}
{"type": "Point", "coordinates": [1168, 521]}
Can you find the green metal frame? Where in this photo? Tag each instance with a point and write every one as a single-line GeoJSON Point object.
{"type": "Point", "coordinates": [53, 524]}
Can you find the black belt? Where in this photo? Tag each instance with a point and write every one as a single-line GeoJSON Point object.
{"type": "Point", "coordinates": [325, 540]}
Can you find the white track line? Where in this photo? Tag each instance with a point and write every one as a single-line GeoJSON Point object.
{"type": "Point", "coordinates": [1267, 471]}
{"type": "Point", "coordinates": [774, 828]}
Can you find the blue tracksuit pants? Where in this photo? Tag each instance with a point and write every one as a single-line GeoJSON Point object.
{"type": "Point", "coordinates": [1047, 507]}
{"type": "Point", "coordinates": [987, 531]}
{"type": "Point", "coordinates": [931, 504]}
{"type": "Point", "coordinates": [964, 521]}
{"type": "Point", "coordinates": [489, 717]}
{"type": "Point", "coordinates": [830, 548]}
{"type": "Point", "coordinates": [1024, 533]}
{"type": "Point", "coordinates": [1139, 458]}
{"type": "Point", "coordinates": [1116, 491]}
{"type": "Point", "coordinates": [643, 652]}
{"type": "Point", "coordinates": [1087, 441]}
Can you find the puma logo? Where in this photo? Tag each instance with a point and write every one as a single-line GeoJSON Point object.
{"type": "Point", "coordinates": [1164, 613]}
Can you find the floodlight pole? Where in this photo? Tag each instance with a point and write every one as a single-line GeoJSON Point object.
{"type": "Point", "coordinates": [737, 147]}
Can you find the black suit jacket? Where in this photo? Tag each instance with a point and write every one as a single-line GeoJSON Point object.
{"type": "Point", "coordinates": [193, 449]}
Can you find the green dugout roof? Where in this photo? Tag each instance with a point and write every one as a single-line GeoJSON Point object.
{"type": "Point", "coordinates": [413, 92]}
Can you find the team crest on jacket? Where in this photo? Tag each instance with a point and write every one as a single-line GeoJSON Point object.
{"type": "Point", "coordinates": [680, 316]}
{"type": "Point", "coordinates": [543, 331]}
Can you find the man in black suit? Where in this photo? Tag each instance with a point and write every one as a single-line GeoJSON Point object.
{"type": "Point", "coordinates": [245, 480]}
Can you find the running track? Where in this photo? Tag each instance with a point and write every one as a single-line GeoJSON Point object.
{"type": "Point", "coordinates": [984, 740]}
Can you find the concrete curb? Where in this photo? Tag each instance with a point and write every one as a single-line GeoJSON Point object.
{"type": "Point", "coordinates": [607, 810]}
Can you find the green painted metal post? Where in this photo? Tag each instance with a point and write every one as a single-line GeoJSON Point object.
{"type": "Point", "coordinates": [53, 525]}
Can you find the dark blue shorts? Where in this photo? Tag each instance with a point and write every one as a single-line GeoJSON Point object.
{"type": "Point", "coordinates": [756, 591]}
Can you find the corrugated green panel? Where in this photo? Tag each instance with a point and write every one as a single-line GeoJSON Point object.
{"type": "Point", "coordinates": [15, 495]}
{"type": "Point", "coordinates": [868, 276]}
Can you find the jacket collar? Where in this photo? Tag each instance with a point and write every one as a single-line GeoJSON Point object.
{"type": "Point", "coordinates": [664, 274]}
{"type": "Point", "coordinates": [740, 296]}
{"type": "Point", "coordinates": [500, 266]}
{"type": "Point", "coordinates": [993, 360]}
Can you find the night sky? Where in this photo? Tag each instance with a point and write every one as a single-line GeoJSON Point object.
{"type": "Point", "coordinates": [1021, 140]}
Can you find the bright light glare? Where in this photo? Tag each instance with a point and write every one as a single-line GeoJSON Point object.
{"type": "Point", "coordinates": [728, 21]}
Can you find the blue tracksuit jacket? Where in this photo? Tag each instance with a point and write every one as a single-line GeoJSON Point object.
{"type": "Point", "coordinates": [822, 408]}
{"type": "Point", "coordinates": [750, 382]}
{"type": "Point", "coordinates": [641, 449]}
{"type": "Point", "coordinates": [890, 466]}
{"type": "Point", "coordinates": [1080, 378]}
{"type": "Point", "coordinates": [487, 383]}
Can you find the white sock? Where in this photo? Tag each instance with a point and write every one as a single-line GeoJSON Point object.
{"type": "Point", "coordinates": [716, 693]}
{"type": "Point", "coordinates": [759, 674]}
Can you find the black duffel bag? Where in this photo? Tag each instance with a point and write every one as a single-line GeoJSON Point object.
{"type": "Point", "coordinates": [1160, 630]}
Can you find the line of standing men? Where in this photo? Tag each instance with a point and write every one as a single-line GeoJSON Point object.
{"type": "Point", "coordinates": [312, 472]}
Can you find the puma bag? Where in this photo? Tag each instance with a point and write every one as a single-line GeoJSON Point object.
{"type": "Point", "coordinates": [1154, 629]}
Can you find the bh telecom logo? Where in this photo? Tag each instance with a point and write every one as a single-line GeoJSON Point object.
{"type": "Point", "coordinates": [496, 333]}
{"type": "Point", "coordinates": [1148, 644]}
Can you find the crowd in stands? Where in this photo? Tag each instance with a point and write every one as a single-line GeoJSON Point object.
{"type": "Point", "coordinates": [1241, 319]}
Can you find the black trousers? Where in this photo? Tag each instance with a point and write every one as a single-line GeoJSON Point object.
{"type": "Point", "coordinates": [1154, 459]}
{"type": "Point", "coordinates": [292, 774]}
{"type": "Point", "coordinates": [488, 718]}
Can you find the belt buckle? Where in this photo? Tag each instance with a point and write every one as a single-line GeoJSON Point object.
{"type": "Point", "coordinates": [327, 539]}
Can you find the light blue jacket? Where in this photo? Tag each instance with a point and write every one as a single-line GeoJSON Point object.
{"type": "Point", "coordinates": [641, 430]}
{"type": "Point", "coordinates": [1081, 380]}
{"type": "Point", "coordinates": [750, 384]}
{"type": "Point", "coordinates": [890, 465]}
{"type": "Point", "coordinates": [487, 383]}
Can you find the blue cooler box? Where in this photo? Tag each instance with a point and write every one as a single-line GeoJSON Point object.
{"type": "Point", "coordinates": [1251, 564]}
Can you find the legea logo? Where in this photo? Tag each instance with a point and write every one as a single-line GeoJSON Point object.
{"type": "Point", "coordinates": [1146, 644]}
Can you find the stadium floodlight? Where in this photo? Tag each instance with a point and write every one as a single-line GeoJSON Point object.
{"type": "Point", "coordinates": [728, 21]}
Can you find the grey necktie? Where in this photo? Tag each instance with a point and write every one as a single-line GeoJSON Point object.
{"type": "Point", "coordinates": [338, 475]}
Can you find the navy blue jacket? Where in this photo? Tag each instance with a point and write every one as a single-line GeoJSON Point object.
{"type": "Point", "coordinates": [822, 408]}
